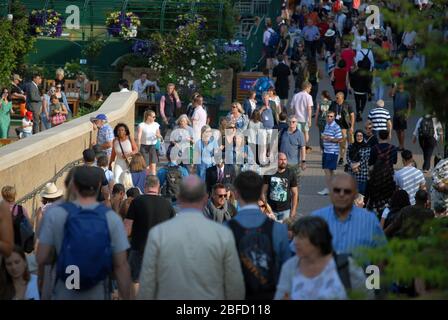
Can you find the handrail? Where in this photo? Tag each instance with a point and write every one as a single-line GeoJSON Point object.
{"type": "Point", "coordinates": [58, 175]}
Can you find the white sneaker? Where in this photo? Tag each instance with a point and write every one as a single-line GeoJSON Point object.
{"type": "Point", "coordinates": [324, 192]}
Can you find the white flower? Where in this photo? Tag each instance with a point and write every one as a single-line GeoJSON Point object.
{"type": "Point", "coordinates": [202, 51]}
{"type": "Point", "coordinates": [202, 57]}
{"type": "Point", "coordinates": [209, 63]}
{"type": "Point", "coordinates": [181, 82]}
{"type": "Point", "coordinates": [182, 68]}
{"type": "Point", "coordinates": [193, 62]}
{"type": "Point", "coordinates": [214, 86]}
{"type": "Point", "coordinates": [197, 42]}
{"type": "Point", "coordinates": [202, 81]}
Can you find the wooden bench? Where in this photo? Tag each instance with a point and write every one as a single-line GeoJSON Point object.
{"type": "Point", "coordinates": [72, 94]}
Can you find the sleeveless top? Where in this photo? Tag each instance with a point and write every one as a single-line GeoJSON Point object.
{"type": "Point", "coordinates": [127, 147]}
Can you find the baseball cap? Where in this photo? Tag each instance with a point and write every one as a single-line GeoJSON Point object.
{"type": "Point", "coordinates": [87, 178]}
{"type": "Point", "coordinates": [16, 77]}
{"type": "Point", "coordinates": [100, 116]}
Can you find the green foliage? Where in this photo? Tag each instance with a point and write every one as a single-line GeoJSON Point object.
{"type": "Point", "coordinates": [131, 60]}
{"type": "Point", "coordinates": [424, 258]}
{"type": "Point", "coordinates": [71, 69]}
{"type": "Point", "coordinates": [430, 84]}
{"type": "Point", "coordinates": [93, 48]}
{"type": "Point", "coordinates": [230, 60]}
{"type": "Point", "coordinates": [15, 42]}
{"type": "Point", "coordinates": [186, 59]}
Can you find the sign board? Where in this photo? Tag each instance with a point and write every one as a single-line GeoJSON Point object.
{"type": "Point", "coordinates": [247, 83]}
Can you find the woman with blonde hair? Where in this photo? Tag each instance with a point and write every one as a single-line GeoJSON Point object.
{"type": "Point", "coordinates": [182, 138]}
{"type": "Point", "coordinates": [237, 116]}
{"type": "Point", "coordinates": [147, 135]}
{"type": "Point", "coordinates": [59, 78]}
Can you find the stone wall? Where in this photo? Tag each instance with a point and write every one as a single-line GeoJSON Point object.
{"type": "Point", "coordinates": [31, 162]}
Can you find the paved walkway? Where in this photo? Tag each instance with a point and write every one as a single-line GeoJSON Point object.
{"type": "Point", "coordinates": [313, 179]}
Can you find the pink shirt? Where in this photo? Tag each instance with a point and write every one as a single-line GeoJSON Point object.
{"type": "Point", "coordinates": [199, 119]}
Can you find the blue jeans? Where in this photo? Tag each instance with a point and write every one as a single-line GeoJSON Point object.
{"type": "Point", "coordinates": [45, 121]}
{"type": "Point", "coordinates": [281, 215]}
{"type": "Point", "coordinates": [379, 88]}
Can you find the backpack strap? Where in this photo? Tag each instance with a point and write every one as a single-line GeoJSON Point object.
{"type": "Point", "coordinates": [343, 268]}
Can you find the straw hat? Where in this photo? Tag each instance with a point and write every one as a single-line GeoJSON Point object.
{"type": "Point", "coordinates": [51, 191]}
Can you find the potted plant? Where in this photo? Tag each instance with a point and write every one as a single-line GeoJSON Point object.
{"type": "Point", "coordinates": [46, 23]}
{"type": "Point", "coordinates": [122, 24]}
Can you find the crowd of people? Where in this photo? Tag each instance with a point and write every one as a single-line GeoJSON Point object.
{"type": "Point", "coordinates": [211, 222]}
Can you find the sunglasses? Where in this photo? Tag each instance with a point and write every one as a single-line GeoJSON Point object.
{"type": "Point", "coordinates": [339, 190]}
{"type": "Point", "coordinates": [222, 196]}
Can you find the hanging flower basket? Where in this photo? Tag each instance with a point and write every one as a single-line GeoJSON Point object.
{"type": "Point", "coordinates": [46, 23]}
{"type": "Point", "coordinates": [122, 24]}
{"type": "Point", "coordinates": [184, 20]}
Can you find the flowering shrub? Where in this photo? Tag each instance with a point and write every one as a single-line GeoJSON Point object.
{"type": "Point", "coordinates": [121, 24]}
{"type": "Point", "coordinates": [71, 69]}
{"type": "Point", "coordinates": [186, 59]}
{"type": "Point", "coordinates": [142, 48]}
{"type": "Point", "coordinates": [46, 23]}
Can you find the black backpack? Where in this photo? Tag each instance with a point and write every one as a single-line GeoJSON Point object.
{"type": "Point", "coordinates": [426, 128]}
{"type": "Point", "coordinates": [257, 257]}
{"type": "Point", "coordinates": [343, 268]}
{"type": "Point", "coordinates": [365, 63]}
{"type": "Point", "coordinates": [173, 180]}
{"type": "Point", "coordinates": [23, 231]}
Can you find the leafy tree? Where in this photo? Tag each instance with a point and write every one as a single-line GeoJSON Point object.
{"type": "Point", "coordinates": [15, 41]}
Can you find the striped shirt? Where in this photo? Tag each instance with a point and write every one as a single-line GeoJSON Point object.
{"type": "Point", "coordinates": [361, 229]}
{"type": "Point", "coordinates": [409, 179]}
{"type": "Point", "coordinates": [379, 118]}
{"type": "Point", "coordinates": [333, 131]}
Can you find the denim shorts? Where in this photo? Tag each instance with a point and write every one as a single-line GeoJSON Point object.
{"type": "Point", "coordinates": [329, 161]}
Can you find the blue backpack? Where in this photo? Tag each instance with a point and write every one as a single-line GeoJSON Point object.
{"type": "Point", "coordinates": [86, 244]}
{"type": "Point", "coordinates": [274, 39]}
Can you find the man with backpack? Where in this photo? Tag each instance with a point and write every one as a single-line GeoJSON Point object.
{"type": "Point", "coordinates": [262, 85]}
{"type": "Point", "coordinates": [384, 151]}
{"type": "Point", "coordinates": [88, 242]}
{"type": "Point", "coordinates": [145, 212]}
{"type": "Point", "coordinates": [428, 131]}
{"type": "Point", "coordinates": [262, 243]}
{"type": "Point", "coordinates": [364, 58]}
{"type": "Point", "coordinates": [270, 43]}
{"type": "Point", "coordinates": [170, 177]}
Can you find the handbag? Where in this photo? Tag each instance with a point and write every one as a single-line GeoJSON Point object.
{"type": "Point", "coordinates": [161, 150]}
{"type": "Point", "coordinates": [58, 119]}
{"type": "Point", "coordinates": [127, 159]}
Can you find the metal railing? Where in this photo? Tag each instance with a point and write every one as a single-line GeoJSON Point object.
{"type": "Point", "coordinates": [155, 15]}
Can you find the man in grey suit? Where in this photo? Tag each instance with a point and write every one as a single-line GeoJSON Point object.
{"type": "Point", "coordinates": [34, 101]}
{"type": "Point", "coordinates": [190, 257]}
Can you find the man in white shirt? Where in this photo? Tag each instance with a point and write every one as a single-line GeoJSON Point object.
{"type": "Point", "coordinates": [141, 84]}
{"type": "Point", "coordinates": [301, 106]}
{"type": "Point", "coordinates": [409, 178]}
{"type": "Point", "coordinates": [199, 118]}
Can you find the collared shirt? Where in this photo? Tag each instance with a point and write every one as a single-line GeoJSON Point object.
{"type": "Point", "coordinates": [310, 33]}
{"type": "Point", "coordinates": [361, 229]}
{"type": "Point", "coordinates": [332, 130]}
{"type": "Point", "coordinates": [141, 87]}
{"type": "Point", "coordinates": [290, 144]}
{"type": "Point", "coordinates": [105, 134]}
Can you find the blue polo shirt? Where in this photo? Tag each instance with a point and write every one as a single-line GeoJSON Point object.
{"type": "Point", "coordinates": [361, 229]}
{"type": "Point", "coordinates": [290, 144]}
